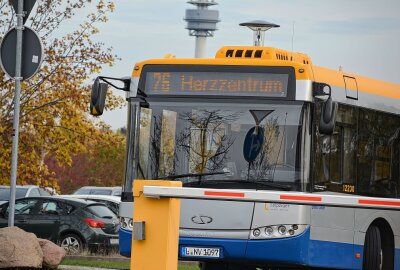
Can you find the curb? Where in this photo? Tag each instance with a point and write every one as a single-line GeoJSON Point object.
{"type": "Point", "coordinates": [118, 259]}
{"type": "Point", "coordinates": [68, 267]}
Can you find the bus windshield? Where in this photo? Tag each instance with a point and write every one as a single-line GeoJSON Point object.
{"type": "Point", "coordinates": [222, 145]}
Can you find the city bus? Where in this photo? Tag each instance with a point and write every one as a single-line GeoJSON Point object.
{"type": "Point", "coordinates": [263, 118]}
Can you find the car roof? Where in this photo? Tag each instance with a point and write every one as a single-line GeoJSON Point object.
{"type": "Point", "coordinates": [73, 201]}
{"type": "Point", "coordinates": [19, 186]}
{"type": "Point", "coordinates": [96, 187]}
{"type": "Point", "coordinates": [111, 198]}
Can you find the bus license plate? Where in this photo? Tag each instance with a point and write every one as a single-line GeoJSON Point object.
{"type": "Point", "coordinates": [200, 252]}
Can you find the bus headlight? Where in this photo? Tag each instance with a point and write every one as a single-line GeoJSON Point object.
{"type": "Point", "coordinates": [256, 232]}
{"type": "Point", "coordinates": [282, 230]}
{"type": "Point", "coordinates": [126, 223]}
{"type": "Point", "coordinates": [278, 231]}
{"type": "Point", "coordinates": [269, 230]}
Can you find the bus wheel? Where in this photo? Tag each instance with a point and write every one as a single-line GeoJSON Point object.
{"type": "Point", "coordinates": [372, 249]}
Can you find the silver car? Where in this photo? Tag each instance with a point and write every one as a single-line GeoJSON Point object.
{"type": "Point", "coordinates": [93, 190]}
{"type": "Point", "coordinates": [21, 192]}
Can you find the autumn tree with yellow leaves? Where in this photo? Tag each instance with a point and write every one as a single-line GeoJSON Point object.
{"type": "Point", "coordinates": [54, 119]}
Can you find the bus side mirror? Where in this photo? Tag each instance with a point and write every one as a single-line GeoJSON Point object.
{"type": "Point", "coordinates": [98, 97]}
{"type": "Point", "coordinates": [328, 117]}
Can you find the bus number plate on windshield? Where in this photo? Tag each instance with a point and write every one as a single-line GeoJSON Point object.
{"type": "Point", "coordinates": [200, 252]}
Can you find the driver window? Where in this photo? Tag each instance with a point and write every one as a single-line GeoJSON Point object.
{"type": "Point", "coordinates": [335, 155]}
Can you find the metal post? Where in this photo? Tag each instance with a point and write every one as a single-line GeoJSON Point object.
{"type": "Point", "coordinates": [201, 45]}
{"type": "Point", "coordinates": [18, 79]}
{"type": "Point", "coordinates": [156, 228]}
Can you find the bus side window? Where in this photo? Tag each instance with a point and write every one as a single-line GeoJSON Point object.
{"type": "Point", "coordinates": [335, 155]}
{"type": "Point", "coordinates": [395, 157]}
{"type": "Point", "coordinates": [378, 165]}
{"type": "Point", "coordinates": [348, 119]}
{"type": "Point", "coordinates": [379, 154]}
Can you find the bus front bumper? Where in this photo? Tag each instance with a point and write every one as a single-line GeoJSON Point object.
{"type": "Point", "coordinates": [293, 250]}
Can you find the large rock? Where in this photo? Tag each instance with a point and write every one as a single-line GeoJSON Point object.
{"type": "Point", "coordinates": [52, 254]}
{"type": "Point", "coordinates": [19, 249]}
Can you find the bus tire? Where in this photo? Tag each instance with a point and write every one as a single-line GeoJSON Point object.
{"type": "Point", "coordinates": [372, 249]}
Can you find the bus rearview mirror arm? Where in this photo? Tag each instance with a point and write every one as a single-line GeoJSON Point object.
{"type": "Point", "coordinates": [126, 81]}
{"type": "Point", "coordinates": [99, 91]}
{"type": "Point", "coordinates": [318, 89]}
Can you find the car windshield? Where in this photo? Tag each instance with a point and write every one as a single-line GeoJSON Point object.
{"type": "Point", "coordinates": [215, 143]}
{"type": "Point", "coordinates": [5, 193]}
{"type": "Point", "coordinates": [93, 191]}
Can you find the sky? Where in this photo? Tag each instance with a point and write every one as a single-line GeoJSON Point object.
{"type": "Point", "coordinates": [362, 36]}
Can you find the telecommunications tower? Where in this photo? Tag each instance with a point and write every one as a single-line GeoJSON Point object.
{"type": "Point", "coordinates": [201, 23]}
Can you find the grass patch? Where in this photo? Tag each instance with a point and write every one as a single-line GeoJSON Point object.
{"type": "Point", "coordinates": [188, 267]}
{"type": "Point", "coordinates": [112, 265]}
{"type": "Point", "coordinates": [100, 264]}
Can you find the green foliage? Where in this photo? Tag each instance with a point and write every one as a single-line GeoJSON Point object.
{"type": "Point", "coordinates": [54, 121]}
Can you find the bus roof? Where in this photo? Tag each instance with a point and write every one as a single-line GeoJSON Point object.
{"type": "Point", "coordinates": [269, 56]}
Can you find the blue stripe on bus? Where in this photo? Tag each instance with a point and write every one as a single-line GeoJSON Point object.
{"type": "Point", "coordinates": [281, 250]}
{"type": "Point", "coordinates": [297, 249]}
{"type": "Point", "coordinates": [287, 250]}
{"type": "Point", "coordinates": [125, 242]}
{"type": "Point", "coordinates": [333, 254]}
{"type": "Point", "coordinates": [397, 259]}
{"type": "Point", "coordinates": [231, 248]}
{"type": "Point", "coordinates": [338, 255]}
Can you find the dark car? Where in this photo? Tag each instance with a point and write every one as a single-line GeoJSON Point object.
{"type": "Point", "coordinates": [72, 223]}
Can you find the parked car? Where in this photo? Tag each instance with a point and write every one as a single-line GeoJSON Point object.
{"type": "Point", "coordinates": [92, 190]}
{"type": "Point", "coordinates": [111, 202]}
{"type": "Point", "coordinates": [72, 223]}
{"type": "Point", "coordinates": [21, 192]}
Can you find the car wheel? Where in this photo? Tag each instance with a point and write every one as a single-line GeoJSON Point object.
{"type": "Point", "coordinates": [71, 243]}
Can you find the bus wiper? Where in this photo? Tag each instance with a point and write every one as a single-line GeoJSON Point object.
{"type": "Point", "coordinates": [175, 176]}
{"type": "Point", "coordinates": [246, 182]}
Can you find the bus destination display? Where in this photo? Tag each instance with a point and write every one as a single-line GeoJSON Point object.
{"type": "Point", "coordinates": [217, 83]}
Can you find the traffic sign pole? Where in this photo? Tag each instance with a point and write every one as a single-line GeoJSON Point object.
{"type": "Point", "coordinates": [18, 79]}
